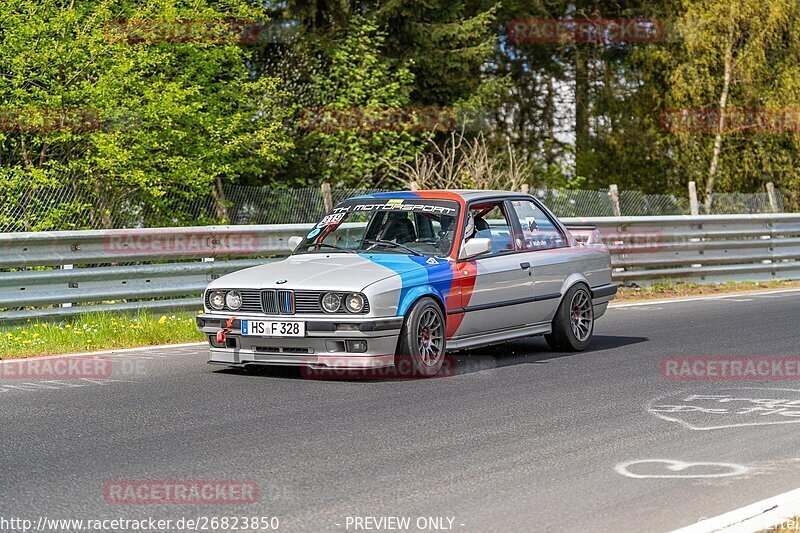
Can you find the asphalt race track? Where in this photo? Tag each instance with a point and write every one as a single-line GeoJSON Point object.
{"type": "Point", "coordinates": [517, 439]}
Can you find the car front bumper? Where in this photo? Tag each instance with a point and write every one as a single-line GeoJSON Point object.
{"type": "Point", "coordinates": [324, 346]}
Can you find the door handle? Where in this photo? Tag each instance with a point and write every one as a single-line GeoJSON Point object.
{"type": "Point", "coordinates": [525, 265]}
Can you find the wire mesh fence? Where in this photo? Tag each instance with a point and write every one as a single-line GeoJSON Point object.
{"type": "Point", "coordinates": [66, 208]}
{"type": "Point", "coordinates": [577, 203]}
{"type": "Point", "coordinates": [734, 202]}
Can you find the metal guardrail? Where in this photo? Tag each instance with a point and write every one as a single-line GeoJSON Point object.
{"type": "Point", "coordinates": [156, 269]}
{"type": "Point", "coordinates": [168, 268]}
{"type": "Point", "coordinates": [702, 249]}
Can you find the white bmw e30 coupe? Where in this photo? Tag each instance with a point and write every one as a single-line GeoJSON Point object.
{"type": "Point", "coordinates": [412, 274]}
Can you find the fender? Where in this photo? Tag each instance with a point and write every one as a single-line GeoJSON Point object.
{"type": "Point", "coordinates": [432, 277]}
{"type": "Point", "coordinates": [422, 291]}
{"type": "Point", "coordinates": [573, 279]}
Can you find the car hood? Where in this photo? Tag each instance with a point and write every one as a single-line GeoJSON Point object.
{"type": "Point", "coordinates": [335, 271]}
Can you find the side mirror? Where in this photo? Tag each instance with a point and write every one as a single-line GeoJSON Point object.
{"type": "Point", "coordinates": [294, 242]}
{"type": "Point", "coordinates": [474, 247]}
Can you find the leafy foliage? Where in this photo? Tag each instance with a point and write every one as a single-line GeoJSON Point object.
{"type": "Point", "coordinates": [764, 69]}
{"type": "Point", "coordinates": [357, 85]}
{"type": "Point", "coordinates": [167, 115]}
{"type": "Point", "coordinates": [151, 131]}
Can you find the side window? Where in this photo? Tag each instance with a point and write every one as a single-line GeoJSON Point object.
{"type": "Point", "coordinates": [538, 232]}
{"type": "Point", "coordinates": [492, 223]}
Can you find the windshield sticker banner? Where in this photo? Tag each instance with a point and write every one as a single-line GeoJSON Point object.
{"type": "Point", "coordinates": [395, 205]}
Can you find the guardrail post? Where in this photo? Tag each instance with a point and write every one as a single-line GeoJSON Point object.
{"type": "Point", "coordinates": [327, 197]}
{"type": "Point", "coordinates": [66, 267]}
{"type": "Point", "coordinates": [773, 198]}
{"type": "Point", "coordinates": [525, 188]}
{"type": "Point", "coordinates": [613, 191]}
{"type": "Point", "coordinates": [414, 186]}
{"type": "Point", "coordinates": [694, 205]}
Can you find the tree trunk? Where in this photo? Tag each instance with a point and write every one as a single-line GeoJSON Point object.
{"type": "Point", "coordinates": [549, 122]}
{"type": "Point", "coordinates": [219, 196]}
{"type": "Point", "coordinates": [102, 206]}
{"type": "Point", "coordinates": [582, 55]}
{"type": "Point", "coordinates": [723, 104]}
{"type": "Point", "coordinates": [581, 107]}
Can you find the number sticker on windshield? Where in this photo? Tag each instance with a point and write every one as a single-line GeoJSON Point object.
{"type": "Point", "coordinates": [331, 220]}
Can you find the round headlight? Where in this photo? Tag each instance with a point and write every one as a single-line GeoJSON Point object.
{"type": "Point", "coordinates": [233, 300]}
{"type": "Point", "coordinates": [331, 302]}
{"type": "Point", "coordinates": [354, 302]}
{"type": "Point", "coordinates": [217, 300]}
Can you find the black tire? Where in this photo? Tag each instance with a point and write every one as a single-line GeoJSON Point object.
{"type": "Point", "coordinates": [422, 339]}
{"type": "Point", "coordinates": [571, 332]}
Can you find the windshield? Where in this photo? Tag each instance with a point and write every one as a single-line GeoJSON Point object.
{"type": "Point", "coordinates": [387, 225]}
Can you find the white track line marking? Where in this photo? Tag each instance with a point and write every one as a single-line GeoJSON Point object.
{"type": "Point", "coordinates": [754, 517]}
{"type": "Point", "coordinates": [649, 407]}
{"type": "Point", "coordinates": [113, 353]}
{"type": "Point", "coordinates": [701, 298]}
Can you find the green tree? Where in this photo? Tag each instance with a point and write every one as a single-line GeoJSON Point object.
{"type": "Point", "coordinates": [445, 43]}
{"type": "Point", "coordinates": [736, 56]}
{"type": "Point", "coordinates": [171, 115]}
{"type": "Point", "coordinates": [581, 112]}
{"type": "Point", "coordinates": [351, 130]}
{"type": "Point", "coordinates": [424, 55]}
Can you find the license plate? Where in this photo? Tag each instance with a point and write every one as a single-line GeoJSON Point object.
{"type": "Point", "coordinates": [273, 328]}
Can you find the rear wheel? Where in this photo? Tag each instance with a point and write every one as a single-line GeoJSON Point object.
{"type": "Point", "coordinates": [422, 340]}
{"type": "Point", "coordinates": [573, 324]}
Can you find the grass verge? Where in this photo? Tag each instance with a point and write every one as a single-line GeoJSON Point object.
{"type": "Point", "coordinates": [682, 290]}
{"type": "Point", "coordinates": [97, 331]}
{"type": "Point", "coordinates": [107, 331]}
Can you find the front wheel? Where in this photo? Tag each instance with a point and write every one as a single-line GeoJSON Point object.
{"type": "Point", "coordinates": [573, 324]}
{"type": "Point", "coordinates": [422, 339]}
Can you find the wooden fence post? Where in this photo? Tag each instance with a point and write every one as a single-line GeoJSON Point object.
{"type": "Point", "coordinates": [613, 191]}
{"type": "Point", "coordinates": [773, 198]}
{"type": "Point", "coordinates": [525, 189]}
{"type": "Point", "coordinates": [327, 197]}
{"type": "Point", "coordinates": [694, 205]}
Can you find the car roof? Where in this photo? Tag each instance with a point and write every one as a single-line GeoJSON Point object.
{"type": "Point", "coordinates": [478, 194]}
{"type": "Point", "coordinates": [465, 194]}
